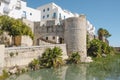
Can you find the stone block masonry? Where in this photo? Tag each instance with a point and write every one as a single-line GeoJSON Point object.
{"type": "Point", "coordinates": [21, 56]}
{"type": "Point", "coordinates": [75, 36]}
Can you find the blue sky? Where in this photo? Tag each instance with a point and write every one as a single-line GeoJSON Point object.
{"type": "Point", "coordinates": [101, 13]}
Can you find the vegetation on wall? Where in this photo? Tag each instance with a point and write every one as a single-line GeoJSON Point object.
{"type": "Point", "coordinates": [74, 58]}
{"type": "Point", "coordinates": [14, 27]}
{"type": "Point", "coordinates": [98, 47]}
{"type": "Point", "coordinates": [50, 58]}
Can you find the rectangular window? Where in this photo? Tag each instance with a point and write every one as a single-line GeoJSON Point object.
{"type": "Point", "coordinates": [43, 17]}
{"type": "Point", "coordinates": [60, 15]}
{"type": "Point", "coordinates": [64, 17]}
{"type": "Point", "coordinates": [48, 9]}
{"type": "Point", "coordinates": [47, 15]}
{"type": "Point", "coordinates": [46, 38]}
{"type": "Point", "coordinates": [43, 10]}
{"type": "Point", "coordinates": [54, 15]}
{"type": "Point", "coordinates": [53, 37]}
{"type": "Point", "coordinates": [24, 14]}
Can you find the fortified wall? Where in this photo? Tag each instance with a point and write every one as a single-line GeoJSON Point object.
{"type": "Point", "coordinates": [72, 31]}
{"type": "Point", "coordinates": [21, 56]}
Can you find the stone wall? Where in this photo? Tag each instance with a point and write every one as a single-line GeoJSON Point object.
{"type": "Point", "coordinates": [75, 36]}
{"type": "Point", "coordinates": [46, 31]}
{"type": "Point", "coordinates": [23, 55]}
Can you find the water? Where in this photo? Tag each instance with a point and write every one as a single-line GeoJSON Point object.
{"type": "Point", "coordinates": [94, 71]}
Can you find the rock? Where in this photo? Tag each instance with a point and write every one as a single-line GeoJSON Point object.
{"type": "Point", "coordinates": [88, 59]}
{"type": "Point", "coordinates": [104, 55]}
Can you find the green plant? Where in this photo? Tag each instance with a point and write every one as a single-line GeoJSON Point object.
{"type": "Point", "coordinates": [4, 75]}
{"type": "Point", "coordinates": [34, 64]}
{"type": "Point", "coordinates": [103, 33]}
{"type": "Point", "coordinates": [16, 53]}
{"type": "Point", "coordinates": [74, 58]}
{"type": "Point", "coordinates": [97, 48]}
{"type": "Point", "coordinates": [14, 27]}
{"type": "Point", "coordinates": [51, 57]}
{"type": "Point", "coordinates": [11, 54]}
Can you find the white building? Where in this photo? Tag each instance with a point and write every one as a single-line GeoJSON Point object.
{"type": "Point", "coordinates": [90, 30]}
{"type": "Point", "coordinates": [51, 11]}
{"type": "Point", "coordinates": [18, 9]}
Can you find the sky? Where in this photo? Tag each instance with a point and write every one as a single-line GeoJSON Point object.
{"type": "Point", "coordinates": [101, 13]}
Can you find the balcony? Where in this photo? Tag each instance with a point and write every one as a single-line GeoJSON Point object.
{"type": "Point", "coordinates": [6, 10]}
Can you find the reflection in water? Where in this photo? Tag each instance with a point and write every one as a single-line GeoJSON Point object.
{"type": "Point", "coordinates": [76, 72]}
{"type": "Point", "coordinates": [111, 71]}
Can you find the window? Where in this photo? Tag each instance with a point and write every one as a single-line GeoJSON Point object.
{"type": "Point", "coordinates": [53, 37]}
{"type": "Point", "coordinates": [46, 38]}
{"type": "Point", "coordinates": [30, 13]}
{"type": "Point", "coordinates": [43, 10]}
{"type": "Point", "coordinates": [60, 15]}
{"type": "Point", "coordinates": [47, 15]}
{"type": "Point", "coordinates": [64, 17]}
{"type": "Point", "coordinates": [43, 17]}
{"type": "Point", "coordinates": [54, 15]}
{"type": "Point", "coordinates": [24, 14]}
{"type": "Point", "coordinates": [48, 9]}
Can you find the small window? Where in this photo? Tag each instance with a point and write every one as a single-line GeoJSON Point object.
{"type": "Point", "coordinates": [43, 17]}
{"type": "Point", "coordinates": [53, 37]}
{"type": "Point", "coordinates": [48, 9]}
{"type": "Point", "coordinates": [43, 10]}
{"type": "Point", "coordinates": [46, 38]}
{"type": "Point", "coordinates": [60, 15]}
{"type": "Point", "coordinates": [64, 17]}
{"type": "Point", "coordinates": [54, 15]}
{"type": "Point", "coordinates": [47, 15]}
{"type": "Point", "coordinates": [30, 13]}
{"type": "Point", "coordinates": [24, 14]}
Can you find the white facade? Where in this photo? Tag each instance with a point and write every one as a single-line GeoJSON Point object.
{"type": "Point", "coordinates": [52, 11]}
{"type": "Point", "coordinates": [90, 28]}
{"type": "Point", "coordinates": [18, 9]}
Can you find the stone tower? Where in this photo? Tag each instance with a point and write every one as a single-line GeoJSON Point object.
{"type": "Point", "coordinates": [75, 36]}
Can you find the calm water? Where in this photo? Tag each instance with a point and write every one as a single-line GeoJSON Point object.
{"type": "Point", "coordinates": [111, 71]}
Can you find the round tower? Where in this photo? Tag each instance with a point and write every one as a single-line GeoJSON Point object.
{"type": "Point", "coordinates": [75, 36]}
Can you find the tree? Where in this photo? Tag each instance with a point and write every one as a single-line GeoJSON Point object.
{"type": "Point", "coordinates": [14, 27]}
{"type": "Point", "coordinates": [94, 48]}
{"type": "Point", "coordinates": [103, 33]}
{"type": "Point", "coordinates": [97, 48]}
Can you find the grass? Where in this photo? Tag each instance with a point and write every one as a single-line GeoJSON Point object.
{"type": "Point", "coordinates": [105, 66]}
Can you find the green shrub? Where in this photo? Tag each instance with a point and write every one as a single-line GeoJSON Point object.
{"type": "Point", "coordinates": [74, 58]}
{"type": "Point", "coordinates": [51, 57]}
{"type": "Point", "coordinates": [97, 48]}
{"type": "Point", "coordinates": [11, 54]}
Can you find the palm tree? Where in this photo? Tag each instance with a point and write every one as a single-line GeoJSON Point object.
{"type": "Point", "coordinates": [51, 57]}
{"type": "Point", "coordinates": [74, 58]}
{"type": "Point", "coordinates": [103, 33]}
